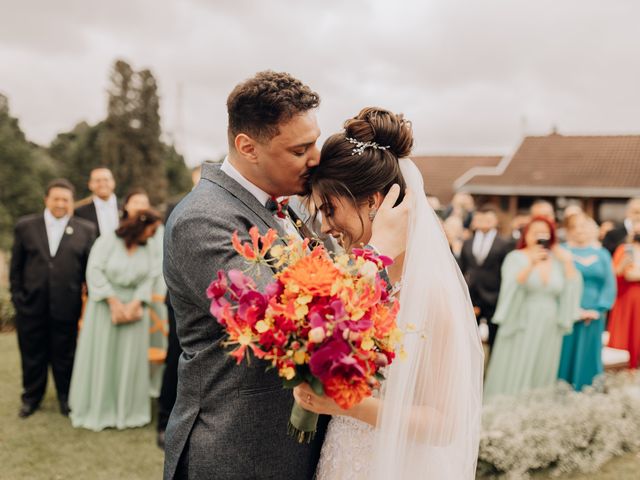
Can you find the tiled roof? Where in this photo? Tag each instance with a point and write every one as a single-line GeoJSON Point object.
{"type": "Point", "coordinates": [440, 171]}
{"type": "Point", "coordinates": [567, 165]}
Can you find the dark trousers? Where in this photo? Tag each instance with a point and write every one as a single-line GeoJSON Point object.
{"type": "Point", "coordinates": [487, 311]}
{"type": "Point", "coordinates": [45, 340]}
{"type": "Point", "coordinates": [169, 388]}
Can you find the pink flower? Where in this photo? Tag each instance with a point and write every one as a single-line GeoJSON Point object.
{"type": "Point", "coordinates": [239, 282]}
{"type": "Point", "coordinates": [218, 287]}
{"type": "Point", "coordinates": [221, 310]}
{"type": "Point", "coordinates": [381, 260]}
{"type": "Point", "coordinates": [333, 358]}
{"type": "Point", "coordinates": [251, 307]}
{"type": "Point", "coordinates": [322, 313]}
{"type": "Point", "coordinates": [274, 289]}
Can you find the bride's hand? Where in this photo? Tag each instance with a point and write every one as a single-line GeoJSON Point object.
{"type": "Point", "coordinates": [389, 229]}
{"type": "Point", "coordinates": [309, 400]}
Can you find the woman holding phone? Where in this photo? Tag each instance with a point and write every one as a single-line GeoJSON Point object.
{"type": "Point", "coordinates": [538, 303]}
{"type": "Point", "coordinates": [624, 319]}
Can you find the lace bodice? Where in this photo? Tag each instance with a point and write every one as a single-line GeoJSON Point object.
{"type": "Point", "coordinates": [346, 451]}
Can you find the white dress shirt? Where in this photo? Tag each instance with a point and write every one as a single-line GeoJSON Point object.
{"type": "Point", "coordinates": [482, 243]}
{"type": "Point", "coordinates": [107, 213]}
{"type": "Point", "coordinates": [55, 230]}
{"type": "Point", "coordinates": [262, 196]}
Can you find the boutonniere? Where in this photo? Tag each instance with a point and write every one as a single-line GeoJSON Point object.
{"type": "Point", "coordinates": [69, 230]}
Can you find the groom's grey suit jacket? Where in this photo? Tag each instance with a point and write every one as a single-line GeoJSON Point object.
{"type": "Point", "coordinates": [229, 421]}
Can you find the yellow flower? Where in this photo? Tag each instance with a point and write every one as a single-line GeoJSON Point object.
{"type": "Point", "coordinates": [367, 344]}
{"type": "Point", "coordinates": [244, 339]}
{"type": "Point", "coordinates": [287, 372]}
{"type": "Point", "coordinates": [277, 251]}
{"type": "Point", "coordinates": [402, 354]}
{"type": "Point", "coordinates": [299, 357]}
{"type": "Point", "coordinates": [262, 326]}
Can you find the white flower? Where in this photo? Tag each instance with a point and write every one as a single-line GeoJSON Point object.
{"type": "Point", "coordinates": [368, 271]}
{"type": "Point", "coordinates": [69, 230]}
{"type": "Point", "coordinates": [316, 335]}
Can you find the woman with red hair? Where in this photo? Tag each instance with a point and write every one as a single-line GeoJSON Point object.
{"type": "Point", "coordinates": [538, 303]}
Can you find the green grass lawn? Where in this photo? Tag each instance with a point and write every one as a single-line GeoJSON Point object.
{"type": "Point", "coordinates": [46, 447]}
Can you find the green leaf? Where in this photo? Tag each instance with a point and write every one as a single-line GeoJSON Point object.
{"type": "Point", "coordinates": [294, 382]}
{"type": "Point", "coordinates": [317, 386]}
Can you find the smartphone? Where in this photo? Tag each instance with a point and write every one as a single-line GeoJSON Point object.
{"type": "Point", "coordinates": [544, 242]}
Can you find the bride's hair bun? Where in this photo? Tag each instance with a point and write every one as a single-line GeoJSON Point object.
{"type": "Point", "coordinates": [385, 128]}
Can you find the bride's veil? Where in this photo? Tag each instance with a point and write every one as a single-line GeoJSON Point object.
{"type": "Point", "coordinates": [429, 423]}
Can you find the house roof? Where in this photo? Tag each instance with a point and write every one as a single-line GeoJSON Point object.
{"type": "Point", "coordinates": [583, 166]}
{"type": "Point", "coordinates": [439, 172]}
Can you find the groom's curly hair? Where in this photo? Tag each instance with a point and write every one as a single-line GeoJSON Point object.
{"type": "Point", "coordinates": [257, 106]}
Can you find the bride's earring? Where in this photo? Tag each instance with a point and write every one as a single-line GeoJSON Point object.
{"type": "Point", "coordinates": [372, 213]}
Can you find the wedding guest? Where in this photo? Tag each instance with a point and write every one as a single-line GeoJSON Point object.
{"type": "Point", "coordinates": [169, 388]}
{"type": "Point", "coordinates": [539, 301]}
{"type": "Point", "coordinates": [581, 358]}
{"type": "Point", "coordinates": [480, 261]}
{"type": "Point", "coordinates": [48, 264]}
{"type": "Point", "coordinates": [567, 213]}
{"type": "Point", "coordinates": [605, 227]}
{"type": "Point", "coordinates": [624, 319]}
{"type": "Point", "coordinates": [136, 201]}
{"type": "Point", "coordinates": [454, 231]}
{"type": "Point", "coordinates": [462, 206]}
{"type": "Point", "coordinates": [543, 208]}
{"type": "Point", "coordinates": [110, 384]}
{"type": "Point", "coordinates": [102, 209]}
{"type": "Point", "coordinates": [618, 235]}
{"type": "Point", "coordinates": [521, 220]}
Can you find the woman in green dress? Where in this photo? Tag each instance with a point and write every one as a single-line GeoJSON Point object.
{"type": "Point", "coordinates": [135, 201]}
{"type": "Point", "coordinates": [110, 382]}
{"type": "Point", "coordinates": [538, 303]}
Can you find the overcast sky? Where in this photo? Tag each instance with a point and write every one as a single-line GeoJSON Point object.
{"type": "Point", "coordinates": [472, 75]}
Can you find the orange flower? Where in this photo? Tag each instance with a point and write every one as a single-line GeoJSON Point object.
{"type": "Point", "coordinates": [314, 274]}
{"type": "Point", "coordinates": [347, 393]}
{"type": "Point", "coordinates": [259, 246]}
{"type": "Point", "coordinates": [359, 300]}
{"type": "Point", "coordinates": [384, 319]}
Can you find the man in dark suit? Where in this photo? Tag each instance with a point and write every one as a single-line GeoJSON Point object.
{"type": "Point", "coordinates": [617, 236]}
{"type": "Point", "coordinates": [480, 261]}
{"type": "Point", "coordinates": [169, 388]}
{"type": "Point", "coordinates": [48, 264]}
{"type": "Point", "coordinates": [102, 208]}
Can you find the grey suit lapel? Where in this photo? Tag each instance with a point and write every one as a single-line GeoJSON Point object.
{"type": "Point", "coordinates": [212, 173]}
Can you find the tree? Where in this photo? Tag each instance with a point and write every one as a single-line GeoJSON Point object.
{"type": "Point", "coordinates": [130, 141]}
{"type": "Point", "coordinates": [76, 153]}
{"type": "Point", "coordinates": [25, 169]}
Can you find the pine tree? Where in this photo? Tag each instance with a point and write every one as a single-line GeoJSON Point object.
{"type": "Point", "coordinates": [130, 141]}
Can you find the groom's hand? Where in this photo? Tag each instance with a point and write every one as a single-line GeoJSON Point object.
{"type": "Point", "coordinates": [389, 229]}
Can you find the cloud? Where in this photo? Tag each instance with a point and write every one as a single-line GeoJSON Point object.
{"type": "Point", "coordinates": [472, 76]}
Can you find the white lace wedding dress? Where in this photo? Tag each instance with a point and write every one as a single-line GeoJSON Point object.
{"type": "Point", "coordinates": [346, 451]}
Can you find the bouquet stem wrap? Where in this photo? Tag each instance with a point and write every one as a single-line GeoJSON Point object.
{"type": "Point", "coordinates": [302, 424]}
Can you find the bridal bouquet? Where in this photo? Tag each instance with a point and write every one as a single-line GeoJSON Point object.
{"type": "Point", "coordinates": [327, 320]}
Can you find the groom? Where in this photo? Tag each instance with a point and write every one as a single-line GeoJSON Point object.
{"type": "Point", "coordinates": [229, 421]}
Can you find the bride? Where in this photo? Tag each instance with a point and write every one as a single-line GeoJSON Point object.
{"type": "Point", "coordinates": [425, 423]}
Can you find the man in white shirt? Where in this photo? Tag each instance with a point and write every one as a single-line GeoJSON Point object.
{"type": "Point", "coordinates": [102, 210]}
{"type": "Point", "coordinates": [48, 264]}
{"type": "Point", "coordinates": [481, 261]}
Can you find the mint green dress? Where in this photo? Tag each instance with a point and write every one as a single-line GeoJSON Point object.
{"type": "Point", "coordinates": [110, 381]}
{"type": "Point", "coordinates": [533, 319]}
